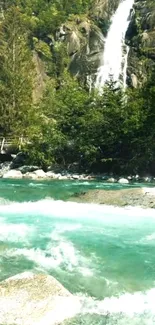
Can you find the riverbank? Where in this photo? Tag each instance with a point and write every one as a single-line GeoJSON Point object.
{"type": "Point", "coordinates": [35, 173]}
{"type": "Point", "coordinates": [143, 197]}
{"type": "Point", "coordinates": [98, 189]}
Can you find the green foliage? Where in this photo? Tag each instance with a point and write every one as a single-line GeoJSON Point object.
{"type": "Point", "coordinates": [16, 74]}
{"type": "Point", "coordinates": [114, 131]}
{"type": "Point", "coordinates": [42, 48]}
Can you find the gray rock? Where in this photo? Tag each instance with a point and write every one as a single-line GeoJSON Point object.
{"type": "Point", "coordinates": [134, 80]}
{"type": "Point", "coordinates": [30, 176]}
{"type": "Point", "coordinates": [34, 299]}
{"type": "Point", "coordinates": [40, 173]}
{"type": "Point", "coordinates": [111, 180]}
{"type": "Point", "coordinates": [37, 174]}
{"type": "Point", "coordinates": [13, 173]}
{"type": "Point", "coordinates": [26, 169]}
{"type": "Point", "coordinates": [63, 177]}
{"type": "Point", "coordinates": [75, 176]}
{"type": "Point", "coordinates": [123, 181]}
{"type": "Point", "coordinates": [50, 174]}
{"type": "Point", "coordinates": [53, 175]}
{"type": "Point", "coordinates": [19, 160]}
{"type": "Point", "coordinates": [57, 176]}
{"type": "Point", "coordinates": [141, 35]}
{"type": "Point", "coordinates": [4, 168]}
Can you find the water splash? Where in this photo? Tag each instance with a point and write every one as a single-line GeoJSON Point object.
{"type": "Point", "coordinates": [114, 63]}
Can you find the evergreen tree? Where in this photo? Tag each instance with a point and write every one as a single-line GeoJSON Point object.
{"type": "Point", "coordinates": [16, 75]}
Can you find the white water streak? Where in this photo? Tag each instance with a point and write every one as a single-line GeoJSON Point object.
{"type": "Point", "coordinates": [125, 66]}
{"type": "Point", "coordinates": [113, 58]}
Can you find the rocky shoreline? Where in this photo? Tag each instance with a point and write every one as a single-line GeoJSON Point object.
{"type": "Point", "coordinates": [143, 197]}
{"type": "Point", "coordinates": [39, 174]}
{"type": "Point", "coordinates": [135, 197]}
{"type": "Point", "coordinates": [18, 169]}
{"type": "Point", "coordinates": [36, 173]}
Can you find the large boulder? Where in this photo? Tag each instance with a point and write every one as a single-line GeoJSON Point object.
{"type": "Point", "coordinates": [123, 181]}
{"type": "Point", "coordinates": [34, 299]}
{"type": "Point", "coordinates": [111, 180]}
{"type": "Point", "coordinates": [50, 174]}
{"type": "Point", "coordinates": [13, 173]}
{"type": "Point", "coordinates": [40, 173]}
{"type": "Point", "coordinates": [37, 174]}
{"type": "Point", "coordinates": [19, 160]}
{"type": "Point", "coordinates": [30, 175]}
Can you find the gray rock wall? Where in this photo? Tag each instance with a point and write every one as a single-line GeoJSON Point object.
{"type": "Point", "coordinates": [141, 39]}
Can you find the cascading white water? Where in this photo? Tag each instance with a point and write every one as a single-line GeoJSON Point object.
{"type": "Point", "coordinates": [125, 66]}
{"type": "Point", "coordinates": [114, 63]}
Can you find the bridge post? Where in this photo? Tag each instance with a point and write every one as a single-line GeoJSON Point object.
{"type": "Point", "coordinates": [2, 145]}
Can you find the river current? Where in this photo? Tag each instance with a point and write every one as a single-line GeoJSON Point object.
{"type": "Point", "coordinates": [104, 255]}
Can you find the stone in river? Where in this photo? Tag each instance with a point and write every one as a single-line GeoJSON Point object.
{"type": "Point", "coordinates": [35, 299]}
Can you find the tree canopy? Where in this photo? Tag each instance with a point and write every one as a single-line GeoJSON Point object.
{"type": "Point", "coordinates": [68, 126]}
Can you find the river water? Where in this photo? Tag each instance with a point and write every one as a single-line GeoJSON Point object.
{"type": "Point", "coordinates": [104, 255]}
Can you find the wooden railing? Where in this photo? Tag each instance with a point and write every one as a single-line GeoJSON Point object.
{"type": "Point", "coordinates": [10, 142]}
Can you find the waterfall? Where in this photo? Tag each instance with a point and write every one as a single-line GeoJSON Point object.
{"type": "Point", "coordinates": [114, 63]}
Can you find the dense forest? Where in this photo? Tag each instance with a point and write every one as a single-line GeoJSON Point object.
{"type": "Point", "coordinates": [68, 125]}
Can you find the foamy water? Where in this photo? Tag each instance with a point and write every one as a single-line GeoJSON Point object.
{"type": "Point", "coordinates": [103, 255]}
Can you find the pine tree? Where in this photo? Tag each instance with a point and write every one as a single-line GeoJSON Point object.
{"type": "Point", "coordinates": [16, 75]}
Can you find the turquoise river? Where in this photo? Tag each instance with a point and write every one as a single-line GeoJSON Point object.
{"type": "Point", "coordinates": [104, 255]}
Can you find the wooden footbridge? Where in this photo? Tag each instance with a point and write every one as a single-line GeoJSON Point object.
{"type": "Point", "coordinates": [11, 144]}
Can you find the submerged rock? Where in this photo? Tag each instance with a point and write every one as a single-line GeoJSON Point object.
{"type": "Point", "coordinates": [34, 299]}
{"type": "Point", "coordinates": [125, 197]}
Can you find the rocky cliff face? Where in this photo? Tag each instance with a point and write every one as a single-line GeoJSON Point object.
{"type": "Point", "coordinates": [85, 44]}
{"type": "Point", "coordinates": [84, 37]}
{"type": "Point", "coordinates": [141, 39]}
{"type": "Point", "coordinates": [85, 40]}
